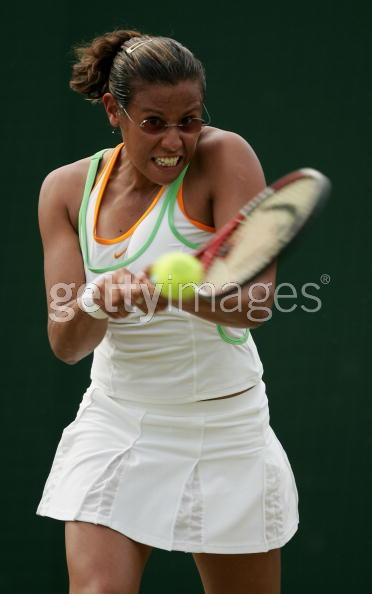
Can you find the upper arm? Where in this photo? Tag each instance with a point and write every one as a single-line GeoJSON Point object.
{"type": "Point", "coordinates": [237, 178]}
{"type": "Point", "coordinates": [63, 263]}
{"type": "Point", "coordinates": [237, 175]}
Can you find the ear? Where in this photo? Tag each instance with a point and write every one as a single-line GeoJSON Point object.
{"type": "Point", "coordinates": [112, 109]}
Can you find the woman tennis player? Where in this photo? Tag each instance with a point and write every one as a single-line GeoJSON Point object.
{"type": "Point", "coordinates": [171, 446]}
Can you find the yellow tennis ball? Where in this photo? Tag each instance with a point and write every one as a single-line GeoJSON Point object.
{"type": "Point", "coordinates": [175, 269]}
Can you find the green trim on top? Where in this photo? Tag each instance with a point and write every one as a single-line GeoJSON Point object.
{"type": "Point", "coordinates": [91, 176]}
{"type": "Point", "coordinates": [222, 332]}
{"type": "Point", "coordinates": [171, 196]}
{"type": "Point", "coordinates": [176, 233]}
{"type": "Point", "coordinates": [191, 244]}
{"type": "Point", "coordinates": [169, 203]}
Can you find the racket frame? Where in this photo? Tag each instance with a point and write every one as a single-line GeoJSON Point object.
{"type": "Point", "coordinates": [207, 253]}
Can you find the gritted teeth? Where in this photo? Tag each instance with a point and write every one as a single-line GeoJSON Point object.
{"type": "Point", "coordinates": [167, 161]}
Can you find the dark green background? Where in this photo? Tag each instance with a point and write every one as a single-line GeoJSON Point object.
{"type": "Point", "coordinates": [293, 79]}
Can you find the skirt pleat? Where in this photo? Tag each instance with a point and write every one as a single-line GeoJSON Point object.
{"type": "Point", "coordinates": [207, 476]}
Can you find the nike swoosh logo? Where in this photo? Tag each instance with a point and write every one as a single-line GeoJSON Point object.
{"type": "Point", "coordinates": [118, 254]}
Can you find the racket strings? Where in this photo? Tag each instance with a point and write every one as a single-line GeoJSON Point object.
{"type": "Point", "coordinates": [261, 235]}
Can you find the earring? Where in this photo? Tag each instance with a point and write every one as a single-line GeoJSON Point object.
{"type": "Point", "coordinates": [114, 130]}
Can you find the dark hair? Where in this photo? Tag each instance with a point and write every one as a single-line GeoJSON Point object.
{"type": "Point", "coordinates": [105, 66]}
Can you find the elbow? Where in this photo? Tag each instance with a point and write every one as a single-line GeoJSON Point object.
{"type": "Point", "coordinates": [61, 350]}
{"type": "Point", "coordinates": [63, 355]}
{"type": "Point", "coordinates": [69, 361]}
{"type": "Point", "coordinates": [259, 308]}
{"type": "Point", "coordinates": [258, 317]}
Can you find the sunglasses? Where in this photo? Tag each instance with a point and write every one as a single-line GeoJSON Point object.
{"type": "Point", "coordinates": [155, 125]}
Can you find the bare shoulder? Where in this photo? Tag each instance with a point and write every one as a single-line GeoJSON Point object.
{"type": "Point", "coordinates": [63, 188]}
{"type": "Point", "coordinates": [232, 172]}
{"type": "Point", "coordinates": [227, 153]}
{"type": "Point", "coordinates": [67, 174]}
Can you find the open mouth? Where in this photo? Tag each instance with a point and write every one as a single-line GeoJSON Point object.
{"type": "Point", "coordinates": [167, 161]}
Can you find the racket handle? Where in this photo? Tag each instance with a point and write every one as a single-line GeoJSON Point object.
{"type": "Point", "coordinates": [207, 253]}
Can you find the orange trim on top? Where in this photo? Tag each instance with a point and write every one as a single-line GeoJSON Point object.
{"type": "Point", "coordinates": [108, 170]}
{"type": "Point", "coordinates": [134, 226]}
{"type": "Point", "coordinates": [98, 177]}
{"type": "Point", "coordinates": [193, 221]}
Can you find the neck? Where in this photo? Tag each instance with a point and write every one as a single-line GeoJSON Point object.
{"type": "Point", "coordinates": [134, 180]}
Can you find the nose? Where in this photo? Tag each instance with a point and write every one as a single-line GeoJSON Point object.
{"type": "Point", "coordinates": [171, 139]}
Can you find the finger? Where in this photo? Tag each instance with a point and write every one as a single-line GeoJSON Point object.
{"type": "Point", "coordinates": [140, 302]}
{"type": "Point", "coordinates": [147, 271]}
{"type": "Point", "coordinates": [141, 276]}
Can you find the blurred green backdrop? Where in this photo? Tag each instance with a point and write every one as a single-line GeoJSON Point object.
{"type": "Point", "coordinates": [294, 80]}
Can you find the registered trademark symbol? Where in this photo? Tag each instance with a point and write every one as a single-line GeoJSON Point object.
{"type": "Point", "coordinates": [325, 279]}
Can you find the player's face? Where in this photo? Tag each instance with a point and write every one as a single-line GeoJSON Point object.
{"type": "Point", "coordinates": [161, 156]}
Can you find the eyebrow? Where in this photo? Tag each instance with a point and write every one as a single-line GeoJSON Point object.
{"type": "Point", "coordinates": [159, 112]}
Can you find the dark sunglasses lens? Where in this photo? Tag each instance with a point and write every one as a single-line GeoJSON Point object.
{"type": "Point", "coordinates": [157, 125]}
{"type": "Point", "coordinates": [153, 125]}
{"type": "Point", "coordinates": [192, 125]}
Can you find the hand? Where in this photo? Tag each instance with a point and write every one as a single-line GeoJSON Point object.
{"type": "Point", "coordinates": [119, 292]}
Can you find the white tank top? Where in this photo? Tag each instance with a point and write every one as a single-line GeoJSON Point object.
{"type": "Point", "coordinates": [174, 356]}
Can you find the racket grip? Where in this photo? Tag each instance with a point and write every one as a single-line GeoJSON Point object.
{"type": "Point", "coordinates": [209, 252]}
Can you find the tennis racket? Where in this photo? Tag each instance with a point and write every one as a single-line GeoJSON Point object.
{"type": "Point", "coordinates": [261, 230]}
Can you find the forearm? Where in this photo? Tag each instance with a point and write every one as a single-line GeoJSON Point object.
{"type": "Point", "coordinates": [235, 311]}
{"type": "Point", "coordinates": [74, 338]}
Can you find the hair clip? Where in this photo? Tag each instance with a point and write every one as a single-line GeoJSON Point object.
{"type": "Point", "coordinates": [133, 47]}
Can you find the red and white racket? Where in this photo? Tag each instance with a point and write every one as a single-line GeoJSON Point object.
{"type": "Point", "coordinates": [250, 241]}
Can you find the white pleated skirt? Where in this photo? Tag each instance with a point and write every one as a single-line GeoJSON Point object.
{"type": "Point", "coordinates": [199, 477]}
